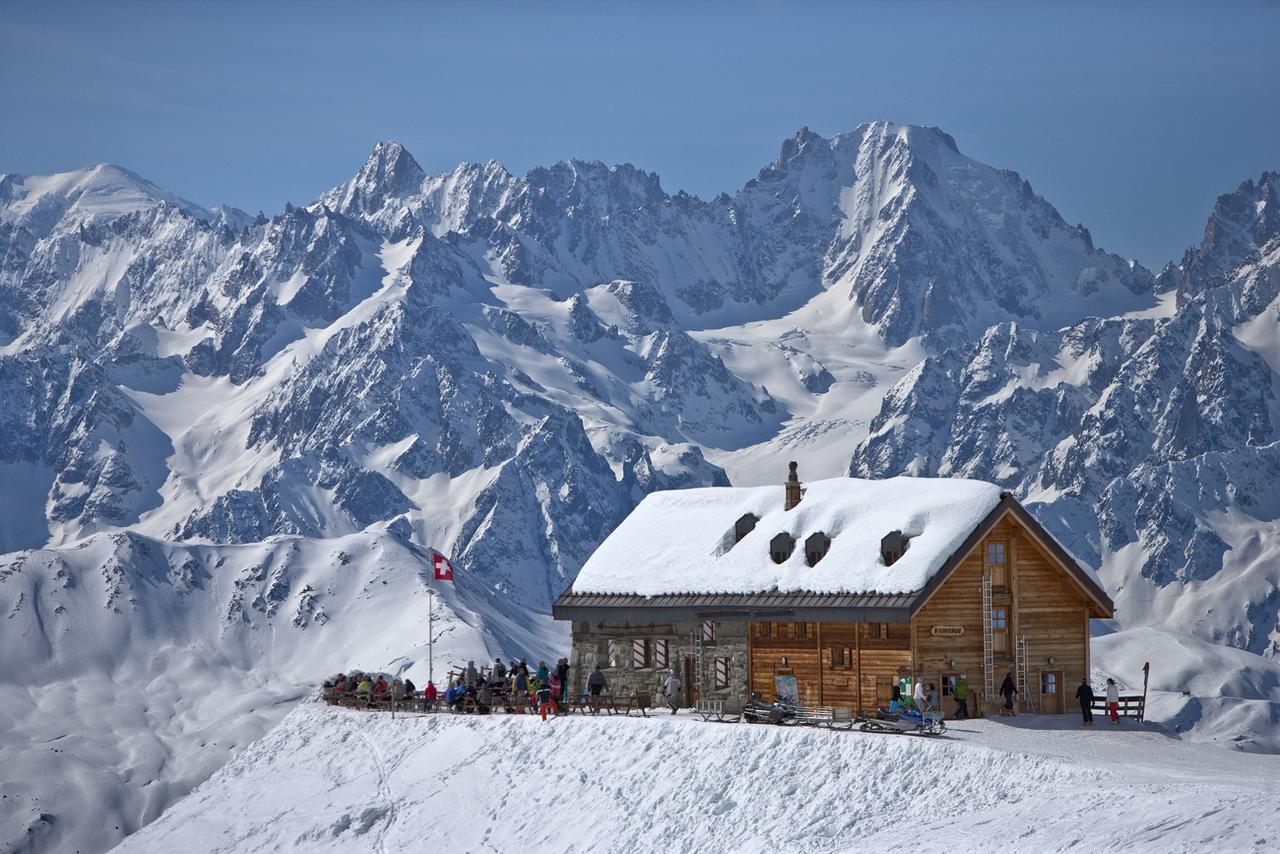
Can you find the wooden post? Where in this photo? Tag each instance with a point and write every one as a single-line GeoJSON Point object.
{"type": "Point", "coordinates": [857, 651]}
{"type": "Point", "coordinates": [822, 699]}
{"type": "Point", "coordinates": [1146, 676]}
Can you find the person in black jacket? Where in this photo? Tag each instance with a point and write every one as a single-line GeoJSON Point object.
{"type": "Point", "coordinates": [1007, 689]}
{"type": "Point", "coordinates": [1085, 695]}
{"type": "Point", "coordinates": [562, 673]}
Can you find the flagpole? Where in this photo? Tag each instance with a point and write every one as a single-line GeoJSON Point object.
{"type": "Point", "coordinates": [431, 635]}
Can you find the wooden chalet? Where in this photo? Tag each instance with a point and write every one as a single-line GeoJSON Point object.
{"type": "Point", "coordinates": [835, 593]}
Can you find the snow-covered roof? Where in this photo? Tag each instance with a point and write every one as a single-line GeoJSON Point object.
{"type": "Point", "coordinates": [682, 541]}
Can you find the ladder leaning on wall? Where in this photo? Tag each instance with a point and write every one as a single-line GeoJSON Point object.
{"type": "Point", "coordinates": [1028, 698]}
{"type": "Point", "coordinates": [695, 649]}
{"type": "Point", "coordinates": [988, 654]}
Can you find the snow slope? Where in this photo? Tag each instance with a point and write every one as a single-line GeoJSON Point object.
{"type": "Point", "coordinates": [133, 668]}
{"type": "Point", "coordinates": [508, 783]}
{"type": "Point", "coordinates": [1204, 692]}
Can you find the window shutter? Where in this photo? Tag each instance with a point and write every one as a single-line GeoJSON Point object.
{"type": "Point", "coordinates": [722, 673]}
{"type": "Point", "coordinates": [660, 653]}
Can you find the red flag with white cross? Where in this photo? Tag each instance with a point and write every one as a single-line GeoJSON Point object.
{"type": "Point", "coordinates": [443, 569]}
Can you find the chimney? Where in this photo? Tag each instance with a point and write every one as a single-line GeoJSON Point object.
{"type": "Point", "coordinates": [793, 492]}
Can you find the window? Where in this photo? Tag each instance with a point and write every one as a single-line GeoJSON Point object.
{"type": "Point", "coordinates": [815, 548]}
{"type": "Point", "coordinates": [614, 653]}
{"type": "Point", "coordinates": [995, 554]}
{"type": "Point", "coordinates": [1048, 683]}
{"type": "Point", "coordinates": [744, 526]}
{"type": "Point", "coordinates": [660, 654]}
{"type": "Point", "coordinates": [1000, 619]}
{"type": "Point", "coordinates": [876, 631]}
{"type": "Point", "coordinates": [948, 684]}
{"type": "Point", "coordinates": [708, 631]}
{"type": "Point", "coordinates": [841, 657]}
{"type": "Point", "coordinates": [763, 631]}
{"type": "Point", "coordinates": [640, 653]}
{"type": "Point", "coordinates": [800, 631]}
{"type": "Point", "coordinates": [781, 547]}
{"type": "Point", "coordinates": [722, 673]}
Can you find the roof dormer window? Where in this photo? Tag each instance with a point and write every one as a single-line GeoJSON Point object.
{"type": "Point", "coordinates": [892, 547]}
{"type": "Point", "coordinates": [781, 547]}
{"type": "Point", "coordinates": [815, 548]}
{"type": "Point", "coordinates": [744, 526]}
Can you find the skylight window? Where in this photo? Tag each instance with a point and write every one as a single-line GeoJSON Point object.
{"type": "Point", "coordinates": [781, 547]}
{"type": "Point", "coordinates": [815, 548]}
{"type": "Point", "coordinates": [892, 547]}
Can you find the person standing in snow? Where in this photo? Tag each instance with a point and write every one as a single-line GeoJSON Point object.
{"type": "Point", "coordinates": [542, 674]}
{"type": "Point", "coordinates": [499, 669]}
{"type": "Point", "coordinates": [544, 700]}
{"type": "Point", "coordinates": [596, 683]}
{"type": "Point", "coordinates": [671, 688]}
{"type": "Point", "coordinates": [919, 698]}
{"type": "Point", "coordinates": [961, 693]}
{"type": "Point", "coordinates": [472, 674]}
{"type": "Point", "coordinates": [556, 688]}
{"type": "Point", "coordinates": [1085, 695]}
{"type": "Point", "coordinates": [562, 673]}
{"type": "Point", "coordinates": [1007, 690]}
{"type": "Point", "coordinates": [1113, 700]}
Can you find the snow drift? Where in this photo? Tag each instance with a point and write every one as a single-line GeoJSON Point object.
{"type": "Point", "coordinates": [508, 783]}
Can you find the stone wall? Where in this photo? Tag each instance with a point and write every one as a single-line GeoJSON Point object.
{"type": "Point", "coordinates": [611, 647]}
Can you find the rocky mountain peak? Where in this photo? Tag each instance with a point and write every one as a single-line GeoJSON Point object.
{"type": "Point", "coordinates": [1239, 230]}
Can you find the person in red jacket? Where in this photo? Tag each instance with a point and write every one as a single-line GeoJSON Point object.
{"type": "Point", "coordinates": [557, 691]}
{"type": "Point", "coordinates": [429, 696]}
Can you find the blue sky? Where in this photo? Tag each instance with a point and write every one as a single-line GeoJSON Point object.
{"type": "Point", "coordinates": [1129, 120]}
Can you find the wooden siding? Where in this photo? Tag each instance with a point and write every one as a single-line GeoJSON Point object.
{"type": "Point", "coordinates": [874, 655]}
{"type": "Point", "coordinates": [1045, 608]}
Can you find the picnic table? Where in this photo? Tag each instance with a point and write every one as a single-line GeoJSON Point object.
{"type": "Point", "coordinates": [614, 705]}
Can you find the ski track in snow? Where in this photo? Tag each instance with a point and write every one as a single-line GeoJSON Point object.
{"type": "Point", "coordinates": [506, 783]}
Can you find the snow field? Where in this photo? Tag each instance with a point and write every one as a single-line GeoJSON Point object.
{"type": "Point", "coordinates": [334, 779]}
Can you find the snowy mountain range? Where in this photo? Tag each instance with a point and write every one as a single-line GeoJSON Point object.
{"type": "Point", "coordinates": [238, 436]}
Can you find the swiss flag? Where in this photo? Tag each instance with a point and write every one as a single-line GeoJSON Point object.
{"type": "Point", "coordinates": [444, 569]}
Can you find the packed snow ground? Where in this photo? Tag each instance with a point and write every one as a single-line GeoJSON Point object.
{"type": "Point", "coordinates": [338, 780]}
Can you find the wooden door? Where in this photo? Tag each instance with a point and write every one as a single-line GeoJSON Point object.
{"type": "Point", "coordinates": [997, 563]}
{"type": "Point", "coordinates": [1051, 692]}
{"type": "Point", "coordinates": [1000, 631]}
{"type": "Point", "coordinates": [690, 679]}
{"type": "Point", "coordinates": [946, 693]}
